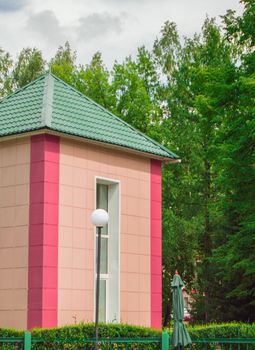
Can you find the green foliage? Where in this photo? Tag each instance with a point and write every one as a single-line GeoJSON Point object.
{"type": "Point", "coordinates": [10, 332]}
{"type": "Point", "coordinates": [93, 81]}
{"type": "Point", "coordinates": [5, 73]}
{"type": "Point", "coordinates": [87, 330]}
{"type": "Point", "coordinates": [135, 85]}
{"type": "Point", "coordinates": [197, 92]}
{"type": "Point", "coordinates": [63, 64]}
{"type": "Point", "coordinates": [71, 337]}
{"type": "Point", "coordinates": [167, 47]}
{"type": "Point", "coordinates": [232, 331]}
{"type": "Point", "coordinates": [30, 65]}
{"type": "Point", "coordinates": [222, 330]}
{"type": "Point", "coordinates": [233, 256]}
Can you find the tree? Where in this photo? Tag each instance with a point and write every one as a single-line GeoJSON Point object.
{"type": "Point", "coordinates": [29, 66]}
{"type": "Point", "coordinates": [135, 84]}
{"type": "Point", "coordinates": [199, 76]}
{"type": "Point", "coordinates": [235, 253]}
{"type": "Point", "coordinates": [63, 64]}
{"type": "Point", "coordinates": [93, 81]}
{"type": "Point", "coordinates": [5, 73]}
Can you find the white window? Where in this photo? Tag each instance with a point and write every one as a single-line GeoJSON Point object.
{"type": "Point", "coordinates": [107, 197]}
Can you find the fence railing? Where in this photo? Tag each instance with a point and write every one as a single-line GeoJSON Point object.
{"type": "Point", "coordinates": [34, 343]}
{"type": "Point", "coordinates": [104, 344]}
{"type": "Point", "coordinates": [154, 343]}
{"type": "Point", "coordinates": [17, 343]}
{"type": "Point", "coordinates": [223, 344]}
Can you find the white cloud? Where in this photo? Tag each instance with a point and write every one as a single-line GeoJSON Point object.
{"type": "Point", "coordinates": [99, 24]}
{"type": "Point", "coordinates": [114, 27]}
{"type": "Point", "coordinates": [46, 24]}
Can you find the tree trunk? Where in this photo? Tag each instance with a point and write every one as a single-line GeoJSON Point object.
{"type": "Point", "coordinates": [167, 315]}
{"type": "Point", "coordinates": [207, 235]}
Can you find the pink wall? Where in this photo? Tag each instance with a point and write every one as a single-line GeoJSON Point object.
{"type": "Point", "coordinates": [49, 280]}
{"type": "Point", "coordinates": [43, 232]}
{"type": "Point", "coordinates": [79, 165]}
{"type": "Point", "coordinates": [14, 210]}
{"type": "Point", "coordinates": [156, 245]}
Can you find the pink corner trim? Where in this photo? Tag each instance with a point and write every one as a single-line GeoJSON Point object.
{"type": "Point", "coordinates": [43, 232]}
{"type": "Point", "coordinates": [156, 245]}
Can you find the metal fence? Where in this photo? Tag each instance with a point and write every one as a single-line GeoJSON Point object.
{"type": "Point", "coordinates": [156, 343]}
{"type": "Point", "coordinates": [223, 344]}
{"type": "Point", "coordinates": [14, 343]}
{"type": "Point", "coordinates": [33, 343]}
{"type": "Point", "coordinates": [104, 344]}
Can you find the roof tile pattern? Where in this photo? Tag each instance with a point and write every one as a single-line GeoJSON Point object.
{"type": "Point", "coordinates": [51, 103]}
{"type": "Point", "coordinates": [21, 111]}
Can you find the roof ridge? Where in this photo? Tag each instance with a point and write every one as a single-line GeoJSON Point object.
{"type": "Point", "coordinates": [23, 87]}
{"type": "Point", "coordinates": [116, 117]}
{"type": "Point", "coordinates": [47, 100]}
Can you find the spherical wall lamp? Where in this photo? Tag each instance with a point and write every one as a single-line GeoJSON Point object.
{"type": "Point", "coordinates": [99, 217]}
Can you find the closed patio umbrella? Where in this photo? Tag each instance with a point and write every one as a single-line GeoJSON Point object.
{"type": "Point", "coordinates": [180, 335]}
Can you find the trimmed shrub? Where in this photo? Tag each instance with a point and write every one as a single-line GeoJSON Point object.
{"type": "Point", "coordinates": [72, 337]}
{"type": "Point", "coordinates": [10, 332]}
{"type": "Point", "coordinates": [222, 330]}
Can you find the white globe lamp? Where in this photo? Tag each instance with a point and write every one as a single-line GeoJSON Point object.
{"type": "Point", "coordinates": [99, 217]}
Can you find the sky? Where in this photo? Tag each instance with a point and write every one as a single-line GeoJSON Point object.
{"type": "Point", "coordinates": [114, 27]}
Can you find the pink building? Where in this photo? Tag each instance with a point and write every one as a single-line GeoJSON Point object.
{"type": "Point", "coordinates": [62, 156]}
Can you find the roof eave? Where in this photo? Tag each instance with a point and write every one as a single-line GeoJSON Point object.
{"type": "Point", "coordinates": [112, 146]}
{"type": "Point", "coordinates": [90, 141]}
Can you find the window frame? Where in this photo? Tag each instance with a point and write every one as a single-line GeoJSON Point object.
{"type": "Point", "coordinates": [108, 181]}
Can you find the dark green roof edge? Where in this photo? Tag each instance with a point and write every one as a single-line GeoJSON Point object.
{"type": "Point", "coordinates": [172, 154]}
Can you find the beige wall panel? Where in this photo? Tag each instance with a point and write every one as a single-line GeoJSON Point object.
{"type": "Point", "coordinates": [14, 220]}
{"type": "Point", "coordinates": [79, 165]}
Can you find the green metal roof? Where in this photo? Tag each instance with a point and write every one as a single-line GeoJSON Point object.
{"type": "Point", "coordinates": [48, 102]}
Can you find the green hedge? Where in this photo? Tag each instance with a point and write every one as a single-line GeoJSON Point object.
{"type": "Point", "coordinates": [10, 332]}
{"type": "Point", "coordinates": [223, 330]}
{"type": "Point", "coordinates": [69, 334]}
{"type": "Point", "coordinates": [71, 337]}
{"type": "Point", "coordinates": [87, 330]}
{"type": "Point", "coordinates": [77, 333]}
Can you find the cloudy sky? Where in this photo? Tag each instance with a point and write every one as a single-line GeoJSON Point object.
{"type": "Point", "coordinates": [114, 27]}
